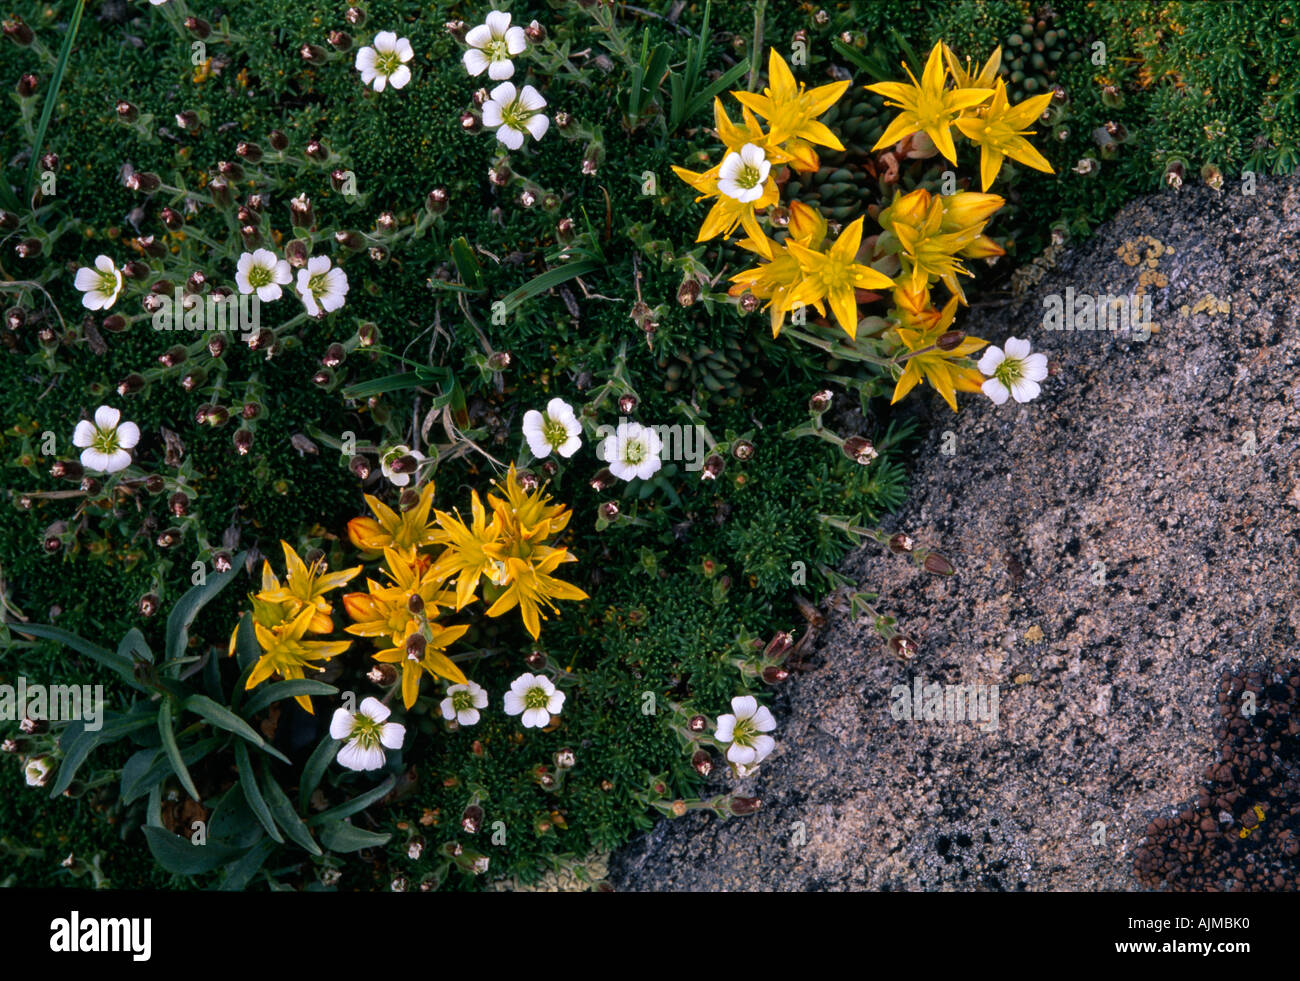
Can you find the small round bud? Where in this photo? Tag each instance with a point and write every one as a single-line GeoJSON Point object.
{"type": "Point", "coordinates": [774, 675]}
{"type": "Point", "coordinates": [472, 819]}
{"type": "Point", "coordinates": [698, 723]}
{"type": "Point", "coordinates": [469, 122]}
{"type": "Point", "coordinates": [360, 467]}
{"type": "Point", "coordinates": [499, 361]}
{"type": "Point", "coordinates": [821, 401]}
{"type": "Point", "coordinates": [742, 450]}
{"type": "Point", "coordinates": [340, 40]}
{"type": "Point", "coordinates": [703, 762]}
{"type": "Point", "coordinates": [627, 404]}
{"type": "Point", "coordinates": [904, 647]}
{"type": "Point", "coordinates": [859, 450]}
{"type": "Point", "coordinates": [315, 149]}
{"type": "Point", "coordinates": [149, 603]}
{"type": "Point", "coordinates": [950, 340]}
{"type": "Point", "coordinates": [609, 510]}
{"type": "Point", "coordinates": [436, 201]}
{"type": "Point", "coordinates": [154, 484]}
{"type": "Point", "coordinates": [938, 565]}
{"type": "Point", "coordinates": [740, 806]}
{"type": "Point", "coordinates": [535, 32]}
{"type": "Point", "coordinates": [415, 647]}
{"type": "Point", "coordinates": [67, 469]}
{"type": "Point", "coordinates": [279, 142]}
{"type": "Point", "coordinates": [243, 440]}
{"type": "Point", "coordinates": [536, 659]}
{"type": "Point", "coordinates": [603, 479]}
{"type": "Point", "coordinates": [688, 292]}
{"type": "Point", "coordinates": [222, 562]}
{"type": "Point", "coordinates": [179, 504]}
{"type": "Point", "coordinates": [131, 384]}
{"type": "Point", "coordinates": [198, 27]}
{"type": "Point", "coordinates": [900, 543]}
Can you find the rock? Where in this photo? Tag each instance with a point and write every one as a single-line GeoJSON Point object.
{"type": "Point", "coordinates": [1148, 501]}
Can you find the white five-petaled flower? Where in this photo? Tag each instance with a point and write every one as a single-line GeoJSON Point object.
{"type": "Point", "coordinates": [632, 451]}
{"type": "Point", "coordinates": [1013, 372]}
{"type": "Point", "coordinates": [384, 61]}
{"type": "Point", "coordinates": [105, 442]}
{"type": "Point", "coordinates": [391, 456]}
{"type": "Point", "coordinates": [491, 46]}
{"type": "Point", "coordinates": [37, 771]}
{"type": "Point", "coordinates": [99, 285]}
{"type": "Point", "coordinates": [536, 698]}
{"type": "Point", "coordinates": [555, 429]}
{"type": "Point", "coordinates": [368, 732]}
{"type": "Point", "coordinates": [746, 730]}
{"type": "Point", "coordinates": [515, 113]}
{"type": "Point", "coordinates": [321, 286]}
{"type": "Point", "coordinates": [742, 174]}
{"type": "Point", "coordinates": [463, 702]}
{"type": "Point", "coordinates": [262, 273]}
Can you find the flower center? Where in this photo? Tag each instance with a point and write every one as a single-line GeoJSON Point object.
{"type": "Point", "coordinates": [497, 49]}
{"type": "Point", "coordinates": [365, 731]}
{"type": "Point", "coordinates": [462, 700]}
{"type": "Point", "coordinates": [536, 698]}
{"type": "Point", "coordinates": [554, 432]}
{"type": "Point", "coordinates": [835, 274]}
{"type": "Point", "coordinates": [748, 177]}
{"type": "Point", "coordinates": [317, 284]}
{"type": "Point", "coordinates": [744, 733]}
{"type": "Point", "coordinates": [387, 62]}
{"type": "Point", "coordinates": [259, 276]}
{"type": "Point", "coordinates": [634, 452]}
{"type": "Point", "coordinates": [105, 441]}
{"type": "Point", "coordinates": [515, 115]}
{"type": "Point", "coordinates": [1009, 371]}
{"type": "Point", "coordinates": [107, 283]}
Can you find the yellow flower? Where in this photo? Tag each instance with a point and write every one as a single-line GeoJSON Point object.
{"type": "Point", "coordinates": [928, 253]}
{"type": "Point", "coordinates": [464, 557]}
{"type": "Point", "coordinates": [528, 510]}
{"type": "Point", "coordinates": [304, 586]}
{"type": "Point", "coordinates": [1000, 132]}
{"type": "Point", "coordinates": [385, 610]}
{"type": "Point", "coordinates": [834, 275]}
{"type": "Point", "coordinates": [927, 106]}
{"type": "Point", "coordinates": [937, 366]}
{"type": "Point", "coordinates": [983, 79]}
{"type": "Point", "coordinates": [529, 584]}
{"type": "Point", "coordinates": [777, 277]}
{"type": "Point", "coordinates": [411, 529]}
{"type": "Point", "coordinates": [285, 653]}
{"type": "Point", "coordinates": [790, 110]}
{"type": "Point", "coordinates": [433, 661]}
{"type": "Point", "coordinates": [728, 212]}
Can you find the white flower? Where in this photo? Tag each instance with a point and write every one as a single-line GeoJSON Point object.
{"type": "Point", "coordinates": [633, 451]}
{"type": "Point", "coordinates": [745, 731]}
{"type": "Point", "coordinates": [261, 272]}
{"type": "Point", "coordinates": [515, 114]}
{"type": "Point", "coordinates": [555, 429]}
{"type": "Point", "coordinates": [321, 287]}
{"type": "Point", "coordinates": [491, 45]}
{"type": "Point", "coordinates": [37, 771]}
{"type": "Point", "coordinates": [463, 702]}
{"type": "Point", "coordinates": [391, 456]}
{"type": "Point", "coordinates": [535, 697]}
{"type": "Point", "coordinates": [367, 732]}
{"type": "Point", "coordinates": [742, 174]}
{"type": "Point", "coordinates": [100, 285]}
{"type": "Point", "coordinates": [384, 63]}
{"type": "Point", "coordinates": [1014, 373]}
{"type": "Point", "coordinates": [105, 442]}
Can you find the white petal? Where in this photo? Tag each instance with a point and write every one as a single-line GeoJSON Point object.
{"type": "Point", "coordinates": [1024, 390]}
{"type": "Point", "coordinates": [1035, 367]}
{"type": "Point", "coordinates": [400, 77]}
{"type": "Point", "coordinates": [503, 94]}
{"type": "Point", "coordinates": [478, 36]}
{"type": "Point", "coordinates": [995, 390]}
{"type": "Point", "coordinates": [491, 114]}
{"type": "Point", "coordinates": [537, 125]}
{"type": "Point", "coordinates": [380, 82]}
{"type": "Point", "coordinates": [375, 710]}
{"type": "Point", "coordinates": [84, 434]}
{"type": "Point", "coordinates": [512, 138]}
{"type": "Point", "coordinates": [516, 40]}
{"type": "Point", "coordinates": [741, 754]}
{"type": "Point", "coordinates": [623, 471]}
{"type": "Point", "coordinates": [106, 417]}
{"type": "Point", "coordinates": [340, 724]}
{"type": "Point", "coordinates": [514, 702]}
{"type": "Point", "coordinates": [726, 728]}
{"type": "Point", "coordinates": [535, 718]}
{"type": "Point", "coordinates": [269, 293]}
{"type": "Point", "coordinates": [533, 422]}
{"type": "Point", "coordinates": [117, 460]}
{"type": "Point", "coordinates": [448, 708]}
{"type": "Point", "coordinates": [1017, 348]}
{"type": "Point", "coordinates": [476, 62]}
{"type": "Point", "coordinates": [531, 99]}
{"type": "Point", "coordinates": [537, 445]}
{"type": "Point", "coordinates": [763, 746]}
{"type": "Point", "coordinates": [404, 50]}
{"type": "Point", "coordinates": [570, 446]}
{"type": "Point", "coordinates": [731, 168]}
{"type": "Point", "coordinates": [386, 41]}
{"type": "Point", "coordinates": [763, 720]}
{"type": "Point", "coordinates": [555, 704]}
{"type": "Point", "coordinates": [283, 273]}
{"type": "Point", "coordinates": [95, 460]}
{"type": "Point", "coordinates": [392, 735]}
{"type": "Point", "coordinates": [468, 717]}
{"type": "Point", "coordinates": [365, 60]}
{"type": "Point", "coordinates": [503, 68]}
{"type": "Point", "coordinates": [104, 264]}
{"type": "Point", "coordinates": [128, 435]}
{"type": "Point", "coordinates": [744, 706]}
{"type": "Point", "coordinates": [498, 22]}
{"type": "Point", "coordinates": [648, 468]}
{"type": "Point", "coordinates": [478, 696]}
{"type": "Point", "coordinates": [990, 360]}
{"type": "Point", "coordinates": [86, 279]}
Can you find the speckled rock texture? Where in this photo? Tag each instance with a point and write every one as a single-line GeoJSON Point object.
{"type": "Point", "coordinates": [1124, 544]}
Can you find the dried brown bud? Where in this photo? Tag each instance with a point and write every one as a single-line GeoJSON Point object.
{"type": "Point", "coordinates": [472, 820]}
{"type": "Point", "coordinates": [774, 675]}
{"type": "Point", "coordinates": [243, 440]}
{"type": "Point", "coordinates": [702, 762]}
{"type": "Point", "coordinates": [698, 723]}
{"type": "Point", "coordinates": [859, 450]}
{"type": "Point", "coordinates": [131, 384]}
{"type": "Point", "coordinates": [950, 340]}
{"type": "Point", "coordinates": [627, 404]}
{"type": "Point", "coordinates": [179, 504]}
{"type": "Point", "coordinates": [149, 603]}
{"type": "Point", "coordinates": [436, 201]}
{"type": "Point", "coordinates": [315, 149]}
{"type": "Point", "coordinates": [604, 478]}
{"type": "Point", "coordinates": [740, 806]}
{"type": "Point", "coordinates": [609, 510]}
{"type": "Point", "coordinates": [937, 564]}
{"type": "Point", "coordinates": [901, 543]}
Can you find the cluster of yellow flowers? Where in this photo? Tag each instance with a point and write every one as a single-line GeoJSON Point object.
{"type": "Point", "coordinates": [929, 234]}
{"type": "Point", "coordinates": [511, 557]}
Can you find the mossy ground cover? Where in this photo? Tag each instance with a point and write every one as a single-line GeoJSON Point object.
{"type": "Point", "coordinates": [692, 572]}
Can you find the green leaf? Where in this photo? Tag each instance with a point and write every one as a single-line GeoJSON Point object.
{"type": "Point", "coordinates": [549, 280]}
{"type": "Point", "coordinates": [256, 802]}
{"type": "Point", "coordinates": [285, 816]}
{"type": "Point", "coordinates": [466, 264]}
{"type": "Point", "coordinates": [237, 874]}
{"type": "Point", "coordinates": [188, 606]}
{"type": "Point", "coordinates": [356, 804]}
{"type": "Point", "coordinates": [343, 837]}
{"type": "Point", "coordinates": [134, 643]}
{"type": "Point", "coordinates": [315, 768]}
{"type": "Point", "coordinates": [110, 659]}
{"type": "Point", "coordinates": [265, 695]}
{"type": "Point", "coordinates": [179, 855]}
{"type": "Point", "coordinates": [52, 94]}
{"type": "Point", "coordinates": [76, 744]}
{"type": "Point", "coordinates": [173, 751]}
{"type": "Point", "coordinates": [381, 386]}
{"type": "Point", "coordinates": [134, 773]}
{"type": "Point", "coordinates": [223, 718]}
{"type": "Point", "coordinates": [151, 779]}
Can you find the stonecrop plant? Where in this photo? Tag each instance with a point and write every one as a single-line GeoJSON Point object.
{"type": "Point", "coordinates": [395, 442]}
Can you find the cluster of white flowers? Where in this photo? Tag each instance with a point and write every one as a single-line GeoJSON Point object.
{"type": "Point", "coordinates": [367, 732]}
{"type": "Point", "coordinates": [632, 451]}
{"type": "Point", "coordinates": [514, 113]}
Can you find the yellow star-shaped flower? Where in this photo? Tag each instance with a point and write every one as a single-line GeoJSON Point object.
{"type": "Point", "coordinates": [928, 106]}
{"type": "Point", "coordinates": [791, 110]}
{"type": "Point", "coordinates": [938, 367]}
{"type": "Point", "coordinates": [1000, 131]}
{"type": "Point", "coordinates": [833, 275]}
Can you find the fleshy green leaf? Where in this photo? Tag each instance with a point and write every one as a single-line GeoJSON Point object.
{"type": "Point", "coordinates": [253, 794]}
{"type": "Point", "coordinates": [173, 751]}
{"type": "Point", "coordinates": [265, 695]}
{"type": "Point", "coordinates": [188, 606]}
{"type": "Point", "coordinates": [285, 816]}
{"type": "Point", "coordinates": [359, 803]}
{"type": "Point", "coordinates": [223, 718]}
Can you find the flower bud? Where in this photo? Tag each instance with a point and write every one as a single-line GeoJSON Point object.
{"type": "Point", "coordinates": [688, 292]}
{"type": "Point", "coordinates": [859, 450]}
{"type": "Point", "coordinates": [415, 647]}
{"type": "Point", "coordinates": [408, 499]}
{"type": "Point", "coordinates": [536, 659]}
{"type": "Point", "coordinates": [535, 32]}
{"type": "Point", "coordinates": [131, 384]}
{"type": "Point", "coordinates": [609, 510]}
{"type": "Point", "coordinates": [702, 762]}
{"type": "Point", "coordinates": [315, 149]}
{"type": "Point", "coordinates": [563, 120]}
{"type": "Point", "coordinates": [198, 27]}
{"type": "Point", "coordinates": [154, 484]}
{"type": "Point", "coordinates": [340, 40]}
{"type": "Point", "coordinates": [698, 723]}
{"type": "Point", "coordinates": [8, 220]}
{"type": "Point", "coordinates": [69, 469]}
{"type": "Point", "coordinates": [904, 647]}
{"type": "Point", "coordinates": [18, 32]}
{"type": "Point", "coordinates": [28, 248]}
{"type": "Point", "coordinates": [33, 727]}
{"type": "Point", "coordinates": [49, 161]}
{"type": "Point", "coordinates": [938, 565]}
{"type": "Point", "coordinates": [950, 340]}
{"type": "Point", "coordinates": [742, 450]}
{"type": "Point", "coordinates": [296, 253]}
{"type": "Point", "coordinates": [243, 440]}
{"type": "Point", "coordinates": [169, 538]}
{"type": "Point", "coordinates": [355, 16]}
{"type": "Point", "coordinates": [382, 674]}
{"type": "Point", "coordinates": [603, 479]}
{"type": "Point", "coordinates": [469, 122]}
{"type": "Point", "coordinates": [219, 188]}
{"type": "Point", "coordinates": [222, 562]}
{"type": "Point", "coordinates": [114, 323]}
{"type": "Point", "coordinates": [564, 231]}
{"type": "Point", "coordinates": [323, 378]}
{"type": "Point", "coordinates": [627, 404]}
{"type": "Point", "coordinates": [188, 120]}
{"type": "Point", "coordinates": [279, 142]}
{"type": "Point", "coordinates": [774, 675]}
{"type": "Point", "coordinates": [27, 85]}
{"type": "Point", "coordinates": [472, 819]}
{"type": "Point", "coordinates": [301, 214]}
{"type": "Point", "coordinates": [435, 201]}
{"type": "Point", "coordinates": [499, 361]}
{"type": "Point", "coordinates": [900, 544]}
{"type": "Point", "coordinates": [179, 504]}
{"type": "Point", "coordinates": [713, 467]}
{"type": "Point", "coordinates": [740, 806]}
